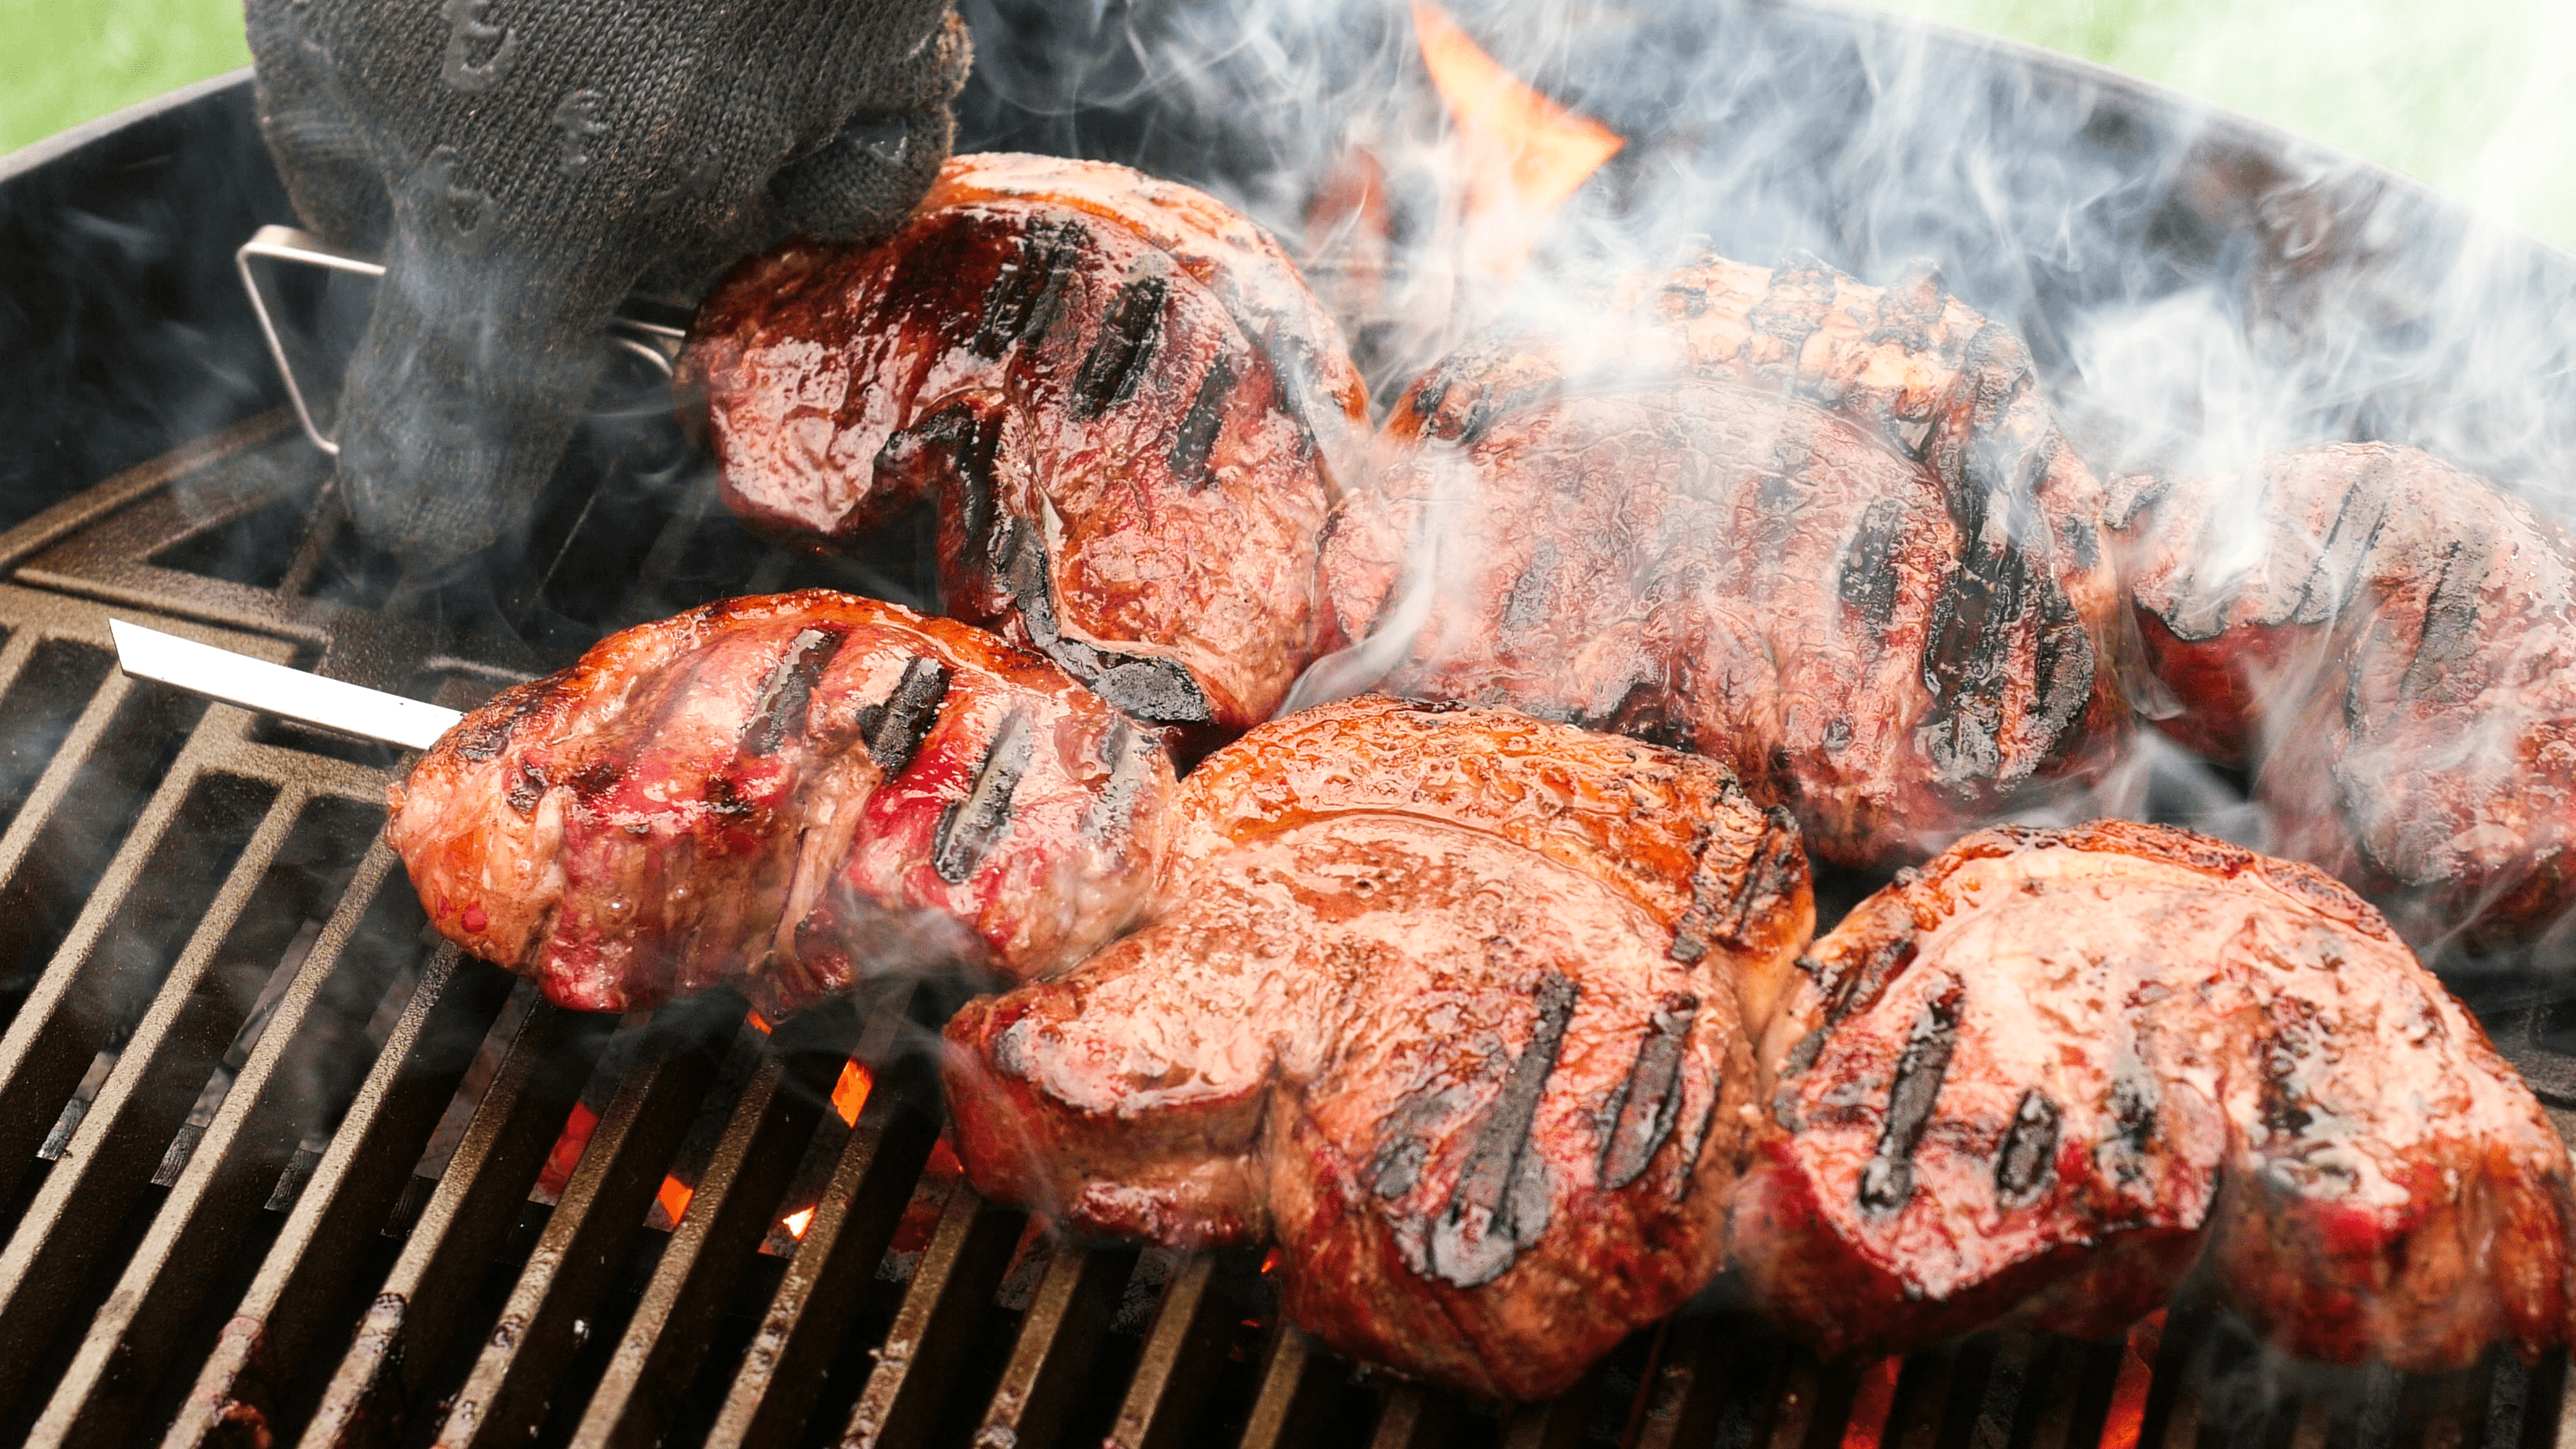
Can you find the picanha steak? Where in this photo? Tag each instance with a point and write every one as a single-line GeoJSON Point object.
{"type": "Point", "coordinates": [2045, 1077]}
{"type": "Point", "coordinates": [2390, 644]}
{"type": "Point", "coordinates": [1447, 1002]}
{"type": "Point", "coordinates": [783, 794]}
{"type": "Point", "coordinates": [1124, 401]}
{"type": "Point", "coordinates": [1824, 532]}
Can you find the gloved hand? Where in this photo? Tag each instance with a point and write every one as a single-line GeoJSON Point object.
{"type": "Point", "coordinates": [521, 165]}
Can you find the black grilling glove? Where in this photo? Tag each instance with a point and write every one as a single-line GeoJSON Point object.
{"type": "Point", "coordinates": [521, 165]}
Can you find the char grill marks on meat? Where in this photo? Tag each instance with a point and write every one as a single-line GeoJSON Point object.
{"type": "Point", "coordinates": [1127, 407]}
{"type": "Point", "coordinates": [1410, 1001]}
{"type": "Point", "coordinates": [1824, 532]}
{"type": "Point", "coordinates": [2048, 1075]}
{"type": "Point", "coordinates": [784, 794]}
{"type": "Point", "coordinates": [2391, 644]}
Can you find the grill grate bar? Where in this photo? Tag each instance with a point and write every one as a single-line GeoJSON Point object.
{"type": "Point", "coordinates": [1182, 1350]}
{"type": "Point", "coordinates": [1558, 1423]}
{"type": "Point", "coordinates": [596, 1221]}
{"type": "Point", "coordinates": [1059, 1339]}
{"type": "Point", "coordinates": [485, 1186]}
{"type": "Point", "coordinates": [1295, 1392]}
{"type": "Point", "coordinates": [77, 1210]}
{"type": "Point", "coordinates": [968, 1253]}
{"type": "Point", "coordinates": [353, 1187]}
{"type": "Point", "coordinates": [267, 1112]}
{"type": "Point", "coordinates": [1409, 1417]}
{"type": "Point", "coordinates": [729, 1213]}
{"type": "Point", "coordinates": [70, 1015]}
{"type": "Point", "coordinates": [791, 1352]}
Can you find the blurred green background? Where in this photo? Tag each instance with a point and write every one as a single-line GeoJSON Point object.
{"type": "Point", "coordinates": [2477, 97]}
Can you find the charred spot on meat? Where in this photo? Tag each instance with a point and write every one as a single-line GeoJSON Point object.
{"type": "Point", "coordinates": [894, 728]}
{"type": "Point", "coordinates": [1887, 1179]}
{"type": "Point", "coordinates": [969, 829]}
{"type": "Point", "coordinates": [1642, 1111]}
{"type": "Point", "coordinates": [1501, 1202]}
{"type": "Point", "coordinates": [1409, 1007]}
{"type": "Point", "coordinates": [2029, 1153]}
{"type": "Point", "coordinates": [779, 713]}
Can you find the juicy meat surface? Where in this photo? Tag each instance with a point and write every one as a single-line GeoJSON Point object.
{"type": "Point", "coordinates": [1824, 532]}
{"type": "Point", "coordinates": [1447, 1003]}
{"type": "Point", "coordinates": [2391, 644]}
{"type": "Point", "coordinates": [1118, 391]}
{"type": "Point", "coordinates": [2045, 1077]}
{"type": "Point", "coordinates": [783, 794]}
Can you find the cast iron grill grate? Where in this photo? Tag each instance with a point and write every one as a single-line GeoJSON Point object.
{"type": "Point", "coordinates": [287, 1170]}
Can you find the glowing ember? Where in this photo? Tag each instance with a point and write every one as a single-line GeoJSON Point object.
{"type": "Point", "coordinates": [850, 1093]}
{"type": "Point", "coordinates": [566, 1155]}
{"type": "Point", "coordinates": [797, 1221]}
{"type": "Point", "coordinates": [1270, 1260]}
{"type": "Point", "coordinates": [2128, 1415]}
{"type": "Point", "coordinates": [674, 1198]}
{"type": "Point", "coordinates": [759, 1023]}
{"type": "Point", "coordinates": [1871, 1403]}
{"type": "Point", "coordinates": [1526, 153]}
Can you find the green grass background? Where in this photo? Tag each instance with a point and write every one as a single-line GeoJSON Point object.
{"type": "Point", "coordinates": [2477, 97]}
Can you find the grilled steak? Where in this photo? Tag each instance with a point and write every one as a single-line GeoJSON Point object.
{"type": "Point", "coordinates": [1119, 392]}
{"type": "Point", "coordinates": [783, 794]}
{"type": "Point", "coordinates": [2391, 643]}
{"type": "Point", "coordinates": [2043, 1078]}
{"type": "Point", "coordinates": [1447, 1002]}
{"type": "Point", "coordinates": [1822, 531]}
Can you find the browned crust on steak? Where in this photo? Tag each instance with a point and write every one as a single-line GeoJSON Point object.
{"type": "Point", "coordinates": [1128, 408]}
{"type": "Point", "coordinates": [2391, 643]}
{"type": "Point", "coordinates": [2049, 1075]}
{"type": "Point", "coordinates": [783, 794]}
{"type": "Point", "coordinates": [1825, 532]}
{"type": "Point", "coordinates": [1412, 1005]}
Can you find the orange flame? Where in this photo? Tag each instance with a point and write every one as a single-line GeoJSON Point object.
{"type": "Point", "coordinates": [759, 1023]}
{"type": "Point", "coordinates": [566, 1154]}
{"type": "Point", "coordinates": [798, 1221]}
{"type": "Point", "coordinates": [1526, 153]}
{"type": "Point", "coordinates": [2127, 1418]}
{"type": "Point", "coordinates": [1871, 1403]}
{"type": "Point", "coordinates": [850, 1093]}
{"type": "Point", "coordinates": [674, 1198]}
{"type": "Point", "coordinates": [1270, 1260]}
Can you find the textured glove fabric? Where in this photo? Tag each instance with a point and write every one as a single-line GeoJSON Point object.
{"type": "Point", "coordinates": [521, 165]}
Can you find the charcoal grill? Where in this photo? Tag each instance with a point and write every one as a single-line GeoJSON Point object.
{"type": "Point", "coordinates": [278, 1162]}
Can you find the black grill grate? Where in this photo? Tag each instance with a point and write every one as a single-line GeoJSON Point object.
{"type": "Point", "coordinates": [235, 1217]}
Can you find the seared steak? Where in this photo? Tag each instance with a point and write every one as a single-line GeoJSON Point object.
{"type": "Point", "coordinates": [783, 794]}
{"type": "Point", "coordinates": [2391, 644]}
{"type": "Point", "coordinates": [1824, 532]}
{"type": "Point", "coordinates": [2045, 1077]}
{"type": "Point", "coordinates": [1447, 1002]}
{"type": "Point", "coordinates": [1119, 391]}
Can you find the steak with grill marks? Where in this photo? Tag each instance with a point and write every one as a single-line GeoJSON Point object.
{"type": "Point", "coordinates": [1450, 1003]}
{"type": "Point", "coordinates": [1123, 399]}
{"type": "Point", "coordinates": [2391, 644]}
{"type": "Point", "coordinates": [1822, 531]}
{"type": "Point", "coordinates": [783, 794]}
{"type": "Point", "coordinates": [2049, 1075]}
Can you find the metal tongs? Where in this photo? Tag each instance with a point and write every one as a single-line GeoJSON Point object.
{"type": "Point", "coordinates": [294, 694]}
